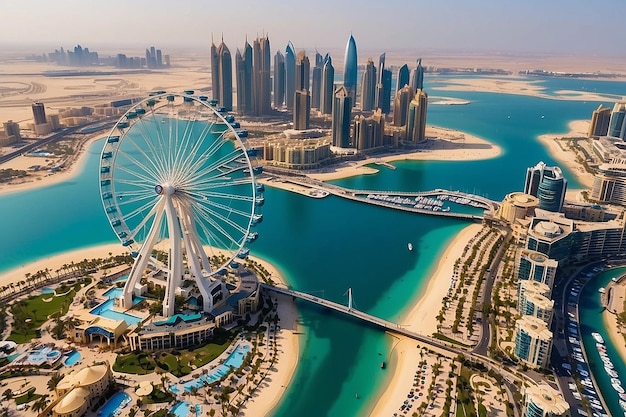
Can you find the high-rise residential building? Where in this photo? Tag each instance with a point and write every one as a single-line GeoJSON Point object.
{"type": "Point", "coordinates": [416, 118]}
{"type": "Point", "coordinates": [402, 78]}
{"type": "Point", "coordinates": [417, 77]}
{"type": "Point", "coordinates": [401, 105]}
{"type": "Point", "coordinates": [544, 401]}
{"type": "Point", "coordinates": [328, 86]}
{"type": "Point", "coordinates": [536, 266]}
{"type": "Point", "coordinates": [368, 132]}
{"type": "Point", "coordinates": [533, 301]}
{"type": "Point", "coordinates": [342, 117]}
{"type": "Point", "coordinates": [39, 113]}
{"type": "Point", "coordinates": [350, 68]}
{"type": "Point", "coordinates": [279, 80]}
{"type": "Point", "coordinates": [548, 185]}
{"type": "Point", "coordinates": [383, 87]}
{"type": "Point", "coordinates": [303, 68]}
{"type": "Point", "coordinates": [245, 92]}
{"type": "Point", "coordinates": [600, 119]}
{"type": "Point", "coordinates": [368, 87]}
{"type": "Point", "coordinates": [533, 342]}
{"type": "Point", "coordinates": [617, 124]}
{"type": "Point", "coordinates": [261, 79]}
{"type": "Point", "coordinates": [11, 133]}
{"type": "Point", "coordinates": [290, 75]}
{"type": "Point", "coordinates": [224, 77]}
{"type": "Point", "coordinates": [301, 110]}
{"type": "Point", "coordinates": [551, 234]}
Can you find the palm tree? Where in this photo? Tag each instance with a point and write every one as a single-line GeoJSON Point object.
{"type": "Point", "coordinates": [54, 380]}
{"type": "Point", "coordinates": [40, 404]}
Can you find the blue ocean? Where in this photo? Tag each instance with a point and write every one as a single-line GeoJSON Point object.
{"type": "Point", "coordinates": [327, 246]}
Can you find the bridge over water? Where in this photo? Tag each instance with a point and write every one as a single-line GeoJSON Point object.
{"type": "Point", "coordinates": [393, 199]}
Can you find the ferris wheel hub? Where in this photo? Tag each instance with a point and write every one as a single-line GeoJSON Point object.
{"type": "Point", "coordinates": [164, 189]}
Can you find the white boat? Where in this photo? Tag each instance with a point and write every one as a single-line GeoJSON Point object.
{"type": "Point", "coordinates": [598, 338]}
{"type": "Point", "coordinates": [410, 246]}
{"type": "Point", "coordinates": [618, 388]}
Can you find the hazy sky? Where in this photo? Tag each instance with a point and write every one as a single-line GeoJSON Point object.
{"type": "Point", "coordinates": [542, 26]}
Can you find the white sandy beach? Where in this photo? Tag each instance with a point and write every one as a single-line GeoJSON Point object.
{"type": "Point", "coordinates": [422, 317]}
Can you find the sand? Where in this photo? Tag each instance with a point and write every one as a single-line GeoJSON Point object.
{"type": "Point", "coordinates": [443, 145]}
{"type": "Point", "coordinates": [577, 129]}
{"type": "Point", "coordinates": [519, 86]}
{"type": "Point", "coordinates": [421, 317]}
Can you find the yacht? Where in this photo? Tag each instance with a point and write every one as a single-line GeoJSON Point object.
{"type": "Point", "coordinates": [410, 246]}
{"type": "Point", "coordinates": [598, 338]}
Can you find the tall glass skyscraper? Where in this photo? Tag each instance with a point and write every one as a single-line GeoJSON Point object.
{"type": "Point", "coordinates": [279, 80]}
{"type": "Point", "coordinates": [243, 67]}
{"type": "Point", "coordinates": [417, 77]}
{"type": "Point", "coordinates": [350, 68]}
{"type": "Point", "coordinates": [368, 87]}
{"type": "Point", "coordinates": [416, 118]}
{"type": "Point", "coordinates": [383, 87]}
{"type": "Point", "coordinates": [328, 86]}
{"type": "Point", "coordinates": [290, 75]}
{"type": "Point", "coordinates": [402, 78]}
{"type": "Point", "coordinates": [548, 185]}
{"type": "Point", "coordinates": [342, 115]}
{"type": "Point", "coordinates": [261, 80]}
{"type": "Point", "coordinates": [617, 124]}
{"type": "Point", "coordinates": [303, 68]}
{"type": "Point", "coordinates": [215, 94]}
{"type": "Point", "coordinates": [225, 77]}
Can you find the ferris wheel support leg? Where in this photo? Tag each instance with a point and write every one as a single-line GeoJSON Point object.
{"type": "Point", "coordinates": [141, 262]}
{"type": "Point", "coordinates": [175, 258]}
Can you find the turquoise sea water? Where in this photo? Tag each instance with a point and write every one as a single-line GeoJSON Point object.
{"type": "Point", "coordinates": [326, 246]}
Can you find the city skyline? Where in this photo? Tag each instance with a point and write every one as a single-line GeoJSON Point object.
{"type": "Point", "coordinates": [556, 27]}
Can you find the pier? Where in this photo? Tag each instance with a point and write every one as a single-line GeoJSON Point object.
{"type": "Point", "coordinates": [410, 201]}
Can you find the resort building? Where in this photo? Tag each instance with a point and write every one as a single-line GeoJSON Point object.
{"type": "Point", "coordinates": [517, 206]}
{"type": "Point", "coordinates": [176, 332]}
{"type": "Point", "coordinates": [609, 183]}
{"type": "Point", "coordinates": [296, 153]}
{"type": "Point", "coordinates": [543, 401]}
{"type": "Point", "coordinates": [536, 266]}
{"type": "Point", "coordinates": [533, 301]}
{"type": "Point", "coordinates": [101, 328]}
{"type": "Point", "coordinates": [617, 124]}
{"type": "Point", "coordinates": [533, 342]}
{"type": "Point", "coordinates": [598, 239]}
{"type": "Point", "coordinates": [547, 184]}
{"type": "Point", "coordinates": [79, 390]}
{"type": "Point", "coordinates": [599, 125]}
{"type": "Point", "coordinates": [551, 235]}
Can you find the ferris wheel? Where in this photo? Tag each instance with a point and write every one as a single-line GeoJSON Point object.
{"type": "Point", "coordinates": [178, 188]}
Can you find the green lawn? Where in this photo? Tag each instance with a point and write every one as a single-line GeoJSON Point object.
{"type": "Point", "coordinates": [31, 313]}
{"type": "Point", "coordinates": [157, 396]}
{"type": "Point", "coordinates": [26, 398]}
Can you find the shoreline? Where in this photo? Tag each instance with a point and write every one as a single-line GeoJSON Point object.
{"type": "Point", "coordinates": [76, 166]}
{"type": "Point", "coordinates": [420, 311]}
{"type": "Point", "coordinates": [577, 129]}
{"type": "Point", "coordinates": [610, 325]}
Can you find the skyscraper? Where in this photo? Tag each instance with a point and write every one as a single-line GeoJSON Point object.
{"type": "Point", "coordinates": [416, 118]}
{"type": "Point", "coordinates": [350, 68]}
{"type": "Point", "coordinates": [383, 87]}
{"type": "Point", "coordinates": [617, 124]}
{"type": "Point", "coordinates": [417, 77]}
{"type": "Point", "coordinates": [303, 68]}
{"type": "Point", "coordinates": [368, 87]}
{"type": "Point", "coordinates": [342, 117]}
{"type": "Point", "coordinates": [245, 93]}
{"type": "Point", "coordinates": [290, 75]}
{"type": "Point", "coordinates": [403, 77]}
{"type": "Point", "coordinates": [401, 105]}
{"type": "Point", "coordinates": [319, 59]}
{"type": "Point", "coordinates": [548, 185]}
{"type": "Point", "coordinates": [225, 77]}
{"type": "Point", "coordinates": [328, 86]}
{"type": "Point", "coordinates": [301, 110]}
{"type": "Point", "coordinates": [279, 80]}
{"type": "Point", "coordinates": [368, 131]}
{"type": "Point", "coordinates": [600, 119]}
{"type": "Point", "coordinates": [261, 80]}
{"type": "Point", "coordinates": [533, 342]}
{"type": "Point", "coordinates": [215, 84]}
{"type": "Point", "coordinates": [39, 113]}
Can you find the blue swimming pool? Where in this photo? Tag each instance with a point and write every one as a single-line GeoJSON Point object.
{"type": "Point", "coordinates": [47, 290]}
{"type": "Point", "coordinates": [117, 402]}
{"type": "Point", "coordinates": [181, 409]}
{"type": "Point", "coordinates": [43, 355]}
{"type": "Point", "coordinates": [72, 358]}
{"type": "Point", "coordinates": [106, 309]}
{"type": "Point", "coordinates": [235, 359]}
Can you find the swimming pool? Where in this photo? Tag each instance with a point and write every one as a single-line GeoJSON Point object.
{"type": "Point", "coordinates": [235, 359]}
{"type": "Point", "coordinates": [118, 401]}
{"type": "Point", "coordinates": [41, 355]}
{"type": "Point", "coordinates": [47, 290]}
{"type": "Point", "coordinates": [106, 310]}
{"type": "Point", "coordinates": [181, 409]}
{"type": "Point", "coordinates": [72, 358]}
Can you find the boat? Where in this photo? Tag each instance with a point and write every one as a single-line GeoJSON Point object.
{"type": "Point", "coordinates": [598, 338]}
{"type": "Point", "coordinates": [410, 246]}
{"type": "Point", "coordinates": [382, 365]}
{"type": "Point", "coordinates": [618, 388]}
{"type": "Point", "coordinates": [622, 404]}
{"type": "Point", "coordinates": [611, 372]}
{"type": "Point", "coordinates": [356, 395]}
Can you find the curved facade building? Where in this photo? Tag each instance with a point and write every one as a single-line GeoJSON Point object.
{"type": "Point", "coordinates": [551, 236]}
{"type": "Point", "coordinates": [536, 266]}
{"type": "Point", "coordinates": [533, 342]}
{"type": "Point", "coordinates": [517, 206]}
{"type": "Point", "coordinates": [350, 68]}
{"type": "Point", "coordinates": [543, 401]}
{"type": "Point", "coordinates": [532, 301]}
{"type": "Point", "coordinates": [548, 185]}
{"type": "Point", "coordinates": [617, 123]}
{"type": "Point", "coordinates": [402, 77]}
